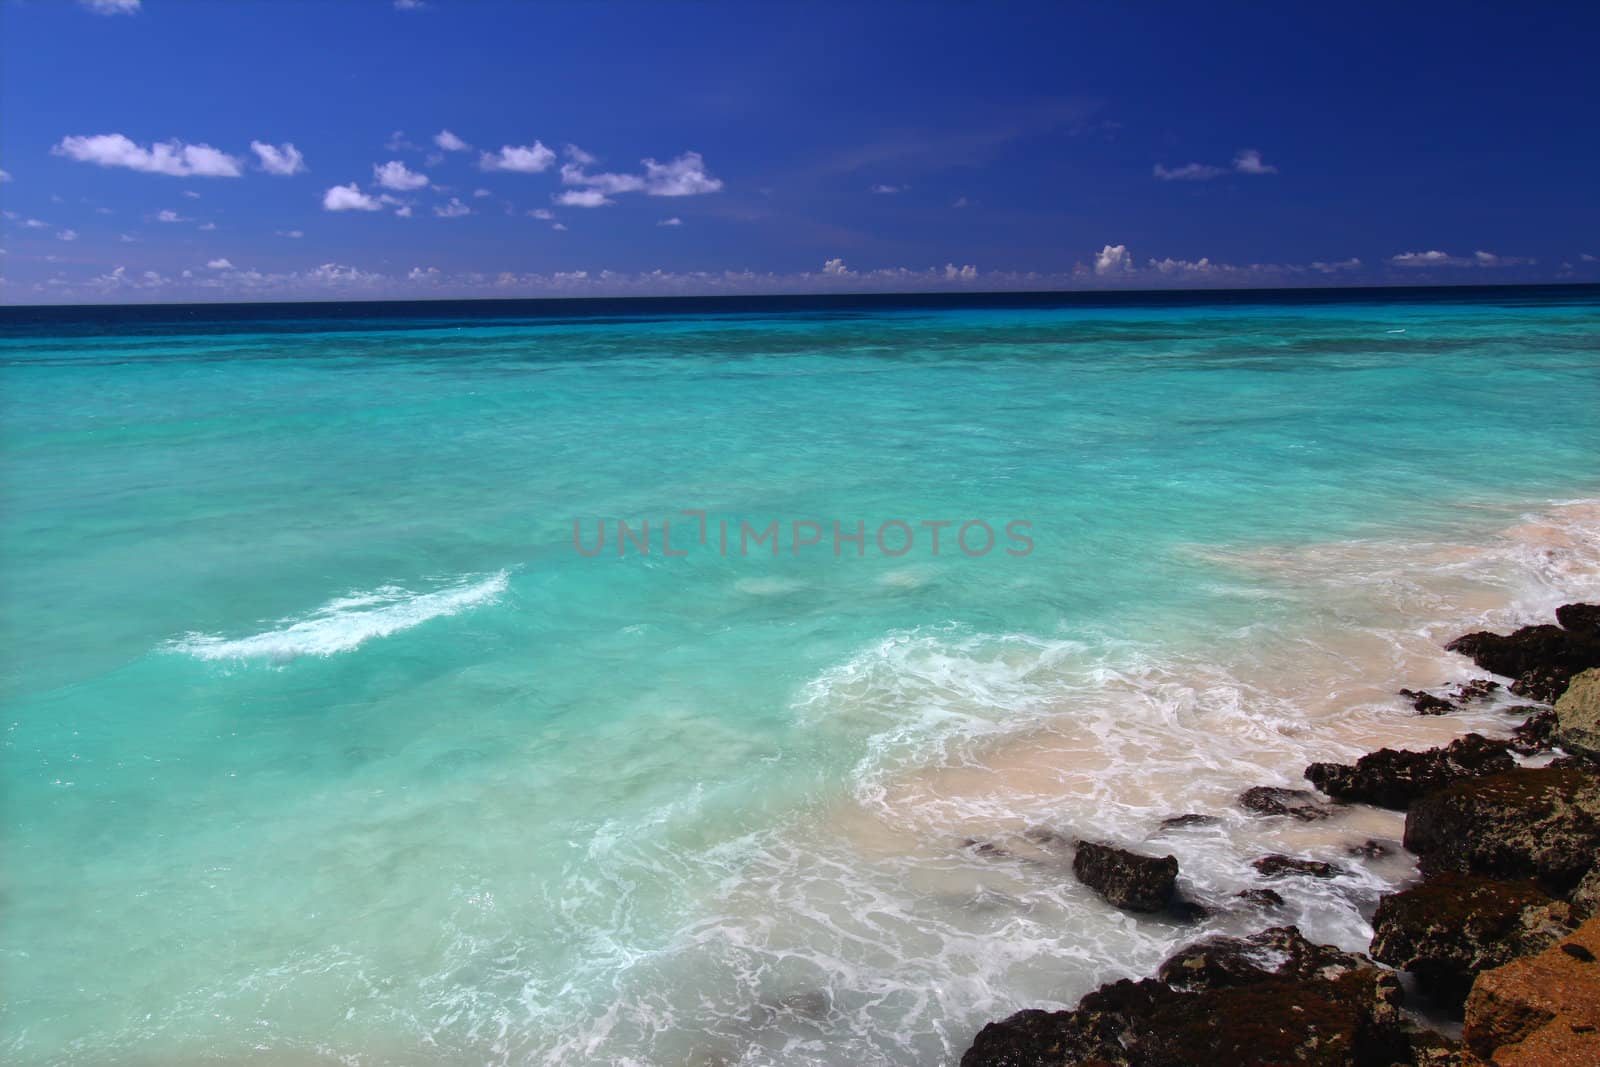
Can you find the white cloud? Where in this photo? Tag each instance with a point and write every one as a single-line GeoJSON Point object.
{"type": "Point", "coordinates": [112, 7]}
{"type": "Point", "coordinates": [961, 201]}
{"type": "Point", "coordinates": [579, 156]}
{"type": "Point", "coordinates": [1486, 259]}
{"type": "Point", "coordinates": [960, 274]}
{"type": "Point", "coordinates": [168, 215]}
{"type": "Point", "coordinates": [1434, 258]}
{"type": "Point", "coordinates": [835, 267]}
{"type": "Point", "coordinates": [1189, 172]}
{"type": "Point", "coordinates": [348, 198]}
{"type": "Point", "coordinates": [541, 213]}
{"type": "Point", "coordinates": [284, 159]}
{"type": "Point", "coordinates": [1113, 259]}
{"type": "Point", "coordinates": [450, 142]}
{"type": "Point", "coordinates": [1248, 161]}
{"type": "Point", "coordinates": [1586, 257]}
{"type": "Point", "coordinates": [481, 193]}
{"type": "Point", "coordinates": [684, 176]}
{"type": "Point", "coordinates": [395, 175]}
{"type": "Point", "coordinates": [172, 158]}
{"type": "Point", "coordinates": [5, 175]}
{"type": "Point", "coordinates": [525, 159]}
{"type": "Point", "coordinates": [674, 221]}
{"type": "Point", "coordinates": [220, 263]}
{"type": "Point", "coordinates": [36, 224]}
{"type": "Point", "coordinates": [67, 235]}
{"type": "Point", "coordinates": [403, 211]}
{"type": "Point", "coordinates": [1329, 268]}
{"type": "Point", "coordinates": [582, 198]}
{"type": "Point", "coordinates": [558, 225]}
{"type": "Point", "coordinates": [453, 210]}
{"type": "Point", "coordinates": [191, 194]}
{"type": "Point", "coordinates": [574, 174]}
{"type": "Point", "coordinates": [888, 190]}
{"type": "Point", "coordinates": [409, 5]}
{"type": "Point", "coordinates": [291, 233]}
{"type": "Point", "coordinates": [208, 225]}
{"type": "Point", "coordinates": [1203, 265]}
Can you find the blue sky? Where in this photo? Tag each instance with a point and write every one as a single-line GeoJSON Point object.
{"type": "Point", "coordinates": [160, 150]}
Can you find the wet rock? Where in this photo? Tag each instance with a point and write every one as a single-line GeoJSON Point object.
{"type": "Point", "coordinates": [1047, 838]}
{"type": "Point", "coordinates": [1475, 690]}
{"type": "Point", "coordinates": [1540, 658]}
{"type": "Point", "coordinates": [1452, 926]}
{"type": "Point", "coordinates": [1179, 821]}
{"type": "Point", "coordinates": [984, 848]}
{"type": "Point", "coordinates": [1187, 911]}
{"type": "Point", "coordinates": [1390, 778]}
{"type": "Point", "coordinates": [1426, 703]}
{"type": "Point", "coordinates": [1278, 866]}
{"type": "Point", "coordinates": [1248, 1016]}
{"type": "Point", "coordinates": [1542, 1009]}
{"type": "Point", "coordinates": [1278, 952]}
{"type": "Point", "coordinates": [1261, 898]}
{"type": "Point", "coordinates": [1369, 849]}
{"type": "Point", "coordinates": [1536, 733]}
{"type": "Point", "coordinates": [1579, 618]}
{"type": "Point", "coordinates": [1542, 824]}
{"type": "Point", "coordinates": [1276, 800]}
{"type": "Point", "coordinates": [1126, 879]}
{"type": "Point", "coordinates": [1578, 715]}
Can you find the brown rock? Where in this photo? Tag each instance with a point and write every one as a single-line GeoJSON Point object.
{"type": "Point", "coordinates": [1126, 879]}
{"type": "Point", "coordinates": [1277, 866]}
{"type": "Point", "coordinates": [1393, 779]}
{"type": "Point", "coordinates": [1578, 715]}
{"type": "Point", "coordinates": [1276, 800]}
{"type": "Point", "coordinates": [1540, 1010]}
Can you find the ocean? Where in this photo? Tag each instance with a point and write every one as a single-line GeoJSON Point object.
{"type": "Point", "coordinates": [580, 682]}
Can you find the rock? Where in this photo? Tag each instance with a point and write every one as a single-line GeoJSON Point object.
{"type": "Point", "coordinates": [1276, 800]}
{"type": "Point", "coordinates": [1578, 715]}
{"type": "Point", "coordinates": [1278, 952]}
{"type": "Point", "coordinates": [1579, 618]}
{"type": "Point", "coordinates": [1586, 897]}
{"type": "Point", "coordinates": [984, 848]}
{"type": "Point", "coordinates": [1235, 1010]}
{"type": "Point", "coordinates": [1261, 898]}
{"type": "Point", "coordinates": [1477, 689]}
{"type": "Point", "coordinates": [1542, 824]}
{"type": "Point", "coordinates": [1540, 658]}
{"type": "Point", "coordinates": [1427, 703]}
{"type": "Point", "coordinates": [1369, 849]}
{"type": "Point", "coordinates": [1536, 733]}
{"type": "Point", "coordinates": [1178, 821]}
{"type": "Point", "coordinates": [1276, 866]}
{"type": "Point", "coordinates": [1394, 779]}
{"type": "Point", "coordinates": [1542, 1009]}
{"type": "Point", "coordinates": [1452, 926]}
{"type": "Point", "coordinates": [1126, 879]}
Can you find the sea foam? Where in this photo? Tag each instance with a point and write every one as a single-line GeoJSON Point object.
{"type": "Point", "coordinates": [347, 622]}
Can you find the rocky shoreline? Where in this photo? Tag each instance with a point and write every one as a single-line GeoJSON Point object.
{"type": "Point", "coordinates": [1502, 934]}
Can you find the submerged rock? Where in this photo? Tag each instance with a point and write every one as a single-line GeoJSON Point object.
{"type": "Point", "coordinates": [1276, 800]}
{"type": "Point", "coordinates": [1274, 998]}
{"type": "Point", "coordinates": [1178, 821]}
{"type": "Point", "coordinates": [1426, 703]}
{"type": "Point", "coordinates": [1278, 866]}
{"type": "Point", "coordinates": [1542, 1009]}
{"type": "Point", "coordinates": [1536, 733]}
{"type": "Point", "coordinates": [1476, 689]}
{"type": "Point", "coordinates": [1394, 779]}
{"type": "Point", "coordinates": [1578, 715]}
{"type": "Point", "coordinates": [1452, 926]}
{"type": "Point", "coordinates": [1126, 879]}
{"type": "Point", "coordinates": [1261, 898]}
{"type": "Point", "coordinates": [1542, 824]}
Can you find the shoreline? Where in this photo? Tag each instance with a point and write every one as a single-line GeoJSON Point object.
{"type": "Point", "coordinates": [1506, 833]}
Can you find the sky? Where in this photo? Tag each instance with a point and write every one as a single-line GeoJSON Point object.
{"type": "Point", "coordinates": [177, 150]}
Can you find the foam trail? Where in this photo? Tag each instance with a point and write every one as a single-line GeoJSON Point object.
{"type": "Point", "coordinates": [347, 622]}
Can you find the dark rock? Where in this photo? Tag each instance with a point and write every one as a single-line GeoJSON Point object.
{"type": "Point", "coordinates": [1187, 911]}
{"type": "Point", "coordinates": [1126, 879]}
{"type": "Point", "coordinates": [1477, 689]}
{"type": "Point", "coordinates": [1177, 821]}
{"type": "Point", "coordinates": [1394, 779]}
{"type": "Point", "coordinates": [1275, 800]}
{"type": "Point", "coordinates": [1369, 849]}
{"type": "Point", "coordinates": [1536, 733]}
{"type": "Point", "coordinates": [984, 848]}
{"type": "Point", "coordinates": [1540, 658]}
{"type": "Point", "coordinates": [1278, 952]}
{"type": "Point", "coordinates": [1579, 618]}
{"type": "Point", "coordinates": [1452, 926]}
{"type": "Point", "coordinates": [1427, 703]}
{"type": "Point", "coordinates": [1277, 866]}
{"type": "Point", "coordinates": [1239, 1013]}
{"type": "Point", "coordinates": [1542, 824]}
{"type": "Point", "coordinates": [1261, 898]}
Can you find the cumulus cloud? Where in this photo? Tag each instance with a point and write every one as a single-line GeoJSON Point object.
{"type": "Point", "coordinates": [606, 183]}
{"type": "Point", "coordinates": [67, 235]}
{"type": "Point", "coordinates": [674, 221]}
{"type": "Point", "coordinates": [1436, 258]}
{"type": "Point", "coordinates": [684, 176]}
{"type": "Point", "coordinates": [541, 213]}
{"type": "Point", "coordinates": [284, 159]}
{"type": "Point", "coordinates": [349, 198]}
{"type": "Point", "coordinates": [954, 273]}
{"type": "Point", "coordinates": [481, 193]}
{"type": "Point", "coordinates": [523, 159]}
{"type": "Point", "coordinates": [1203, 265]}
{"type": "Point", "coordinates": [395, 175]}
{"type": "Point", "coordinates": [220, 263]}
{"type": "Point", "coordinates": [558, 225]}
{"type": "Point", "coordinates": [453, 210]}
{"type": "Point", "coordinates": [583, 198]}
{"type": "Point", "coordinates": [112, 7]}
{"type": "Point", "coordinates": [1248, 161]}
{"type": "Point", "coordinates": [1330, 268]}
{"type": "Point", "coordinates": [169, 215]}
{"type": "Point", "coordinates": [1113, 259]}
{"type": "Point", "coordinates": [835, 267]}
{"type": "Point", "coordinates": [173, 158]}
{"type": "Point", "coordinates": [449, 142]}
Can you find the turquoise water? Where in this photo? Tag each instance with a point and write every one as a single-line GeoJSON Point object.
{"type": "Point", "coordinates": [324, 743]}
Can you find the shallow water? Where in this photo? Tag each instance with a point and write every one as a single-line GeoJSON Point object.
{"type": "Point", "coordinates": [326, 744]}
